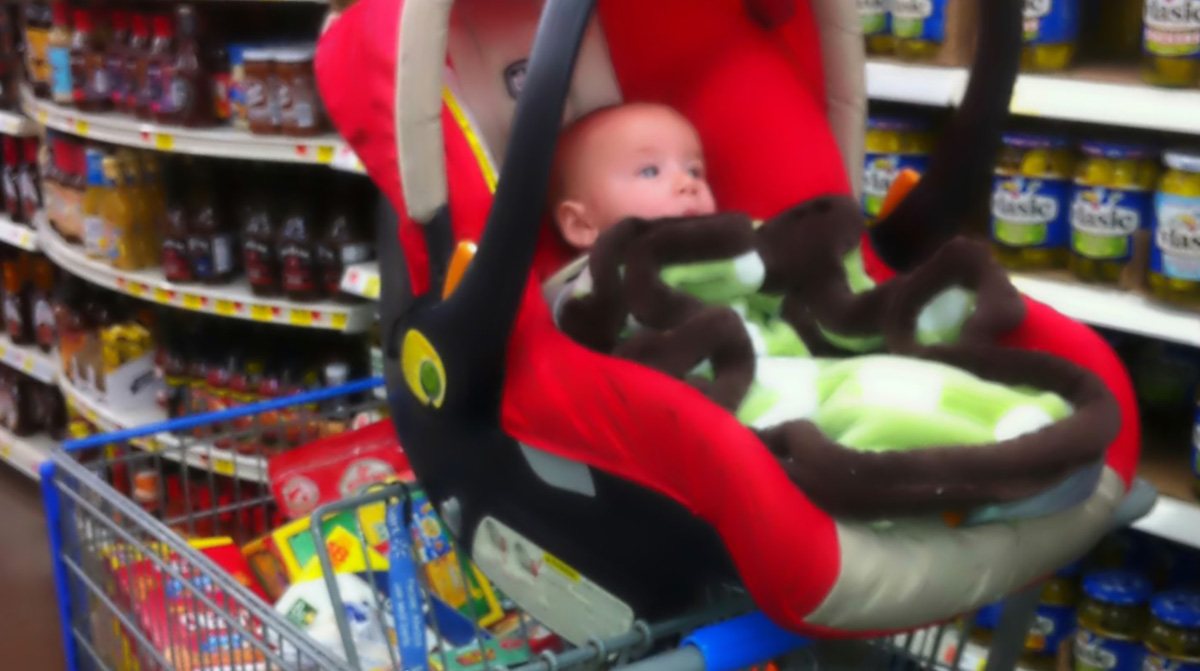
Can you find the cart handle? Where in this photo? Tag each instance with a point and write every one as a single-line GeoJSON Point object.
{"type": "Point", "coordinates": [204, 419]}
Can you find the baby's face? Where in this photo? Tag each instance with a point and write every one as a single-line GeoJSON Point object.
{"type": "Point", "coordinates": [636, 161]}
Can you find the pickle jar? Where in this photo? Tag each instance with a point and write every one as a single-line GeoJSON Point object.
{"type": "Point", "coordinates": [1171, 44]}
{"type": "Point", "coordinates": [1051, 35]}
{"type": "Point", "coordinates": [1030, 206]}
{"type": "Point", "coordinates": [1175, 248]}
{"type": "Point", "coordinates": [1111, 29]}
{"type": "Point", "coordinates": [876, 18]}
{"type": "Point", "coordinates": [892, 145]}
{"type": "Point", "coordinates": [919, 28]}
{"type": "Point", "coordinates": [1173, 636]}
{"type": "Point", "coordinates": [1113, 199]}
{"type": "Point", "coordinates": [1111, 622]}
{"type": "Point", "coordinates": [1053, 624]}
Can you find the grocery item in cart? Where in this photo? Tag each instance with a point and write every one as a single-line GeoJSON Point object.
{"type": "Point", "coordinates": [1031, 201]}
{"type": "Point", "coordinates": [1173, 636]}
{"type": "Point", "coordinates": [1051, 34]}
{"type": "Point", "coordinates": [309, 606]}
{"type": "Point", "coordinates": [1174, 262]}
{"type": "Point", "coordinates": [1112, 203]}
{"type": "Point", "coordinates": [1112, 622]}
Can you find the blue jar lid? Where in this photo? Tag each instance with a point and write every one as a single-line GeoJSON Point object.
{"type": "Point", "coordinates": [897, 124]}
{"type": "Point", "coordinates": [1186, 161]}
{"type": "Point", "coordinates": [1180, 608]}
{"type": "Point", "coordinates": [1031, 141]}
{"type": "Point", "coordinates": [1116, 151]}
{"type": "Point", "coordinates": [1120, 588]}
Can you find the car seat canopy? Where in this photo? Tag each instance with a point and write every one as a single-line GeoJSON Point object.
{"type": "Point", "coordinates": [426, 93]}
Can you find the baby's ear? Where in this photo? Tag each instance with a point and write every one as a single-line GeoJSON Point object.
{"type": "Point", "coordinates": [576, 228]}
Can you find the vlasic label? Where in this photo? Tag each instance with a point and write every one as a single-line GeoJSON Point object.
{"type": "Point", "coordinates": [1097, 653]}
{"type": "Point", "coordinates": [1172, 28]}
{"type": "Point", "coordinates": [1051, 21]}
{"type": "Point", "coordinates": [879, 171]}
{"type": "Point", "coordinates": [1176, 250]}
{"type": "Point", "coordinates": [1157, 662]}
{"type": "Point", "coordinates": [876, 19]}
{"type": "Point", "coordinates": [919, 19]}
{"type": "Point", "coordinates": [1030, 212]}
{"type": "Point", "coordinates": [1051, 626]}
{"type": "Point", "coordinates": [1104, 220]}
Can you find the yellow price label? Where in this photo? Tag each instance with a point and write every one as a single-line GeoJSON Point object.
{"type": "Point", "coordinates": [164, 142]}
{"type": "Point", "coordinates": [324, 154]}
{"type": "Point", "coordinates": [162, 296]}
{"type": "Point", "coordinates": [147, 444]}
{"type": "Point", "coordinates": [192, 302]}
{"type": "Point", "coordinates": [223, 466]}
{"type": "Point", "coordinates": [301, 318]}
{"type": "Point", "coordinates": [137, 289]}
{"type": "Point", "coordinates": [27, 366]}
{"type": "Point", "coordinates": [91, 415]}
{"type": "Point", "coordinates": [3, 351]}
{"type": "Point", "coordinates": [260, 313]}
{"type": "Point", "coordinates": [226, 308]}
{"type": "Point", "coordinates": [339, 320]}
{"type": "Point", "coordinates": [25, 239]}
{"type": "Point", "coordinates": [43, 116]}
{"type": "Point", "coordinates": [81, 127]}
{"type": "Point", "coordinates": [5, 451]}
{"type": "Point", "coordinates": [371, 287]}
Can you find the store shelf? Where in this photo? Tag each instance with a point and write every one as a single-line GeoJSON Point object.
{"type": "Point", "coordinates": [197, 454]}
{"type": "Point", "coordinates": [29, 360]}
{"type": "Point", "coordinates": [26, 454]}
{"type": "Point", "coordinates": [1112, 308]}
{"type": "Point", "coordinates": [219, 142]}
{"type": "Point", "coordinates": [1166, 464]}
{"type": "Point", "coordinates": [233, 300]}
{"type": "Point", "coordinates": [1100, 95]}
{"type": "Point", "coordinates": [15, 123]}
{"type": "Point", "coordinates": [362, 279]}
{"type": "Point", "coordinates": [18, 235]}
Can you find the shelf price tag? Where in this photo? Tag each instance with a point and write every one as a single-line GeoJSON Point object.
{"type": "Point", "coordinates": [223, 466]}
{"type": "Point", "coordinates": [162, 296]}
{"type": "Point", "coordinates": [338, 320]}
{"type": "Point", "coordinates": [81, 127]}
{"type": "Point", "coordinates": [164, 141]}
{"type": "Point", "coordinates": [301, 317]}
{"type": "Point", "coordinates": [226, 308]}
{"type": "Point", "coordinates": [371, 287]}
{"type": "Point", "coordinates": [324, 154]}
{"type": "Point", "coordinates": [192, 302]}
{"type": "Point", "coordinates": [42, 117]}
{"type": "Point", "coordinates": [27, 366]}
{"type": "Point", "coordinates": [5, 450]}
{"type": "Point", "coordinates": [137, 289]}
{"type": "Point", "coordinates": [261, 313]}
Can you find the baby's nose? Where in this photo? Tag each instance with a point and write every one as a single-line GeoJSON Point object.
{"type": "Point", "coordinates": [688, 184]}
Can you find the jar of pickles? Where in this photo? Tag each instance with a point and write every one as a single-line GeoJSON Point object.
{"type": "Point", "coordinates": [1173, 637]}
{"type": "Point", "coordinates": [893, 145]}
{"type": "Point", "coordinates": [1171, 41]}
{"type": "Point", "coordinates": [876, 18]}
{"type": "Point", "coordinates": [1111, 621]}
{"type": "Point", "coordinates": [1051, 34]}
{"type": "Point", "coordinates": [919, 27]}
{"type": "Point", "coordinates": [1113, 200]}
{"type": "Point", "coordinates": [1175, 252]}
{"type": "Point", "coordinates": [1052, 626]}
{"type": "Point", "coordinates": [1031, 201]}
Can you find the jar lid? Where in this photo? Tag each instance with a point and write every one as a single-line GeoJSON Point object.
{"type": "Point", "coordinates": [1179, 608]}
{"type": "Point", "coordinates": [1182, 160]}
{"type": "Point", "coordinates": [1119, 152]}
{"type": "Point", "coordinates": [1120, 588]}
{"type": "Point", "coordinates": [295, 54]}
{"type": "Point", "coordinates": [1030, 141]}
{"type": "Point", "coordinates": [897, 124]}
{"type": "Point", "coordinates": [257, 53]}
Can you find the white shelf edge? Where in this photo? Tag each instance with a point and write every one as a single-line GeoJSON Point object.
{"type": "Point", "coordinates": [197, 454]}
{"type": "Point", "coordinates": [362, 279]}
{"type": "Point", "coordinates": [234, 300]}
{"type": "Point", "coordinates": [16, 123]}
{"type": "Point", "coordinates": [25, 454]}
{"type": "Point", "coordinates": [216, 142]}
{"type": "Point", "coordinates": [29, 360]}
{"type": "Point", "coordinates": [1174, 520]}
{"type": "Point", "coordinates": [17, 235]}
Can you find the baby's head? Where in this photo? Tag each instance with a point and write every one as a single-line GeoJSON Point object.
{"type": "Point", "coordinates": [633, 160]}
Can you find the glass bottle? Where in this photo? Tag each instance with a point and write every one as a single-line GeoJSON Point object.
{"type": "Point", "coordinates": [95, 234]}
{"type": "Point", "coordinates": [37, 43]}
{"type": "Point", "coordinates": [10, 180]}
{"type": "Point", "coordinates": [30, 185]}
{"type": "Point", "coordinates": [296, 243]}
{"type": "Point", "coordinates": [134, 66]}
{"type": "Point", "coordinates": [258, 223]}
{"type": "Point", "coordinates": [17, 320]}
{"type": "Point", "coordinates": [175, 261]}
{"type": "Point", "coordinates": [114, 59]}
{"type": "Point", "coordinates": [158, 58]}
{"type": "Point", "coordinates": [210, 238]}
{"type": "Point", "coordinates": [343, 243]}
{"type": "Point", "coordinates": [45, 330]}
{"type": "Point", "coordinates": [187, 92]}
{"type": "Point", "coordinates": [118, 212]}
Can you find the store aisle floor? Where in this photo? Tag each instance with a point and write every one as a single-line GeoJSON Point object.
{"type": "Point", "coordinates": [29, 633]}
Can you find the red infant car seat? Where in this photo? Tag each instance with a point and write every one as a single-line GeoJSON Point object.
{"type": "Point", "coordinates": [582, 483]}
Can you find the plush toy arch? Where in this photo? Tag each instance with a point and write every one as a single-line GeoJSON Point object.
{"type": "Point", "coordinates": [633, 478]}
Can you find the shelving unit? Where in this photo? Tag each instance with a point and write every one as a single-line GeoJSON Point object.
{"type": "Point", "coordinates": [15, 123]}
{"type": "Point", "coordinates": [18, 235]}
{"type": "Point", "coordinates": [29, 360]}
{"type": "Point", "coordinates": [26, 454]}
{"type": "Point", "coordinates": [233, 300]}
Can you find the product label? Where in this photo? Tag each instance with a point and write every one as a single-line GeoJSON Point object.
{"type": "Point", "coordinates": [43, 321]}
{"type": "Point", "coordinates": [260, 262]}
{"type": "Point", "coordinates": [1051, 21]}
{"type": "Point", "coordinates": [12, 314]}
{"type": "Point", "coordinates": [60, 73]}
{"type": "Point", "coordinates": [37, 41]}
{"type": "Point", "coordinates": [1103, 221]}
{"type": "Point", "coordinates": [876, 19]}
{"type": "Point", "coordinates": [880, 171]}
{"type": "Point", "coordinates": [115, 67]}
{"type": "Point", "coordinates": [179, 94]}
{"type": "Point", "coordinates": [200, 251]}
{"type": "Point", "coordinates": [1172, 28]}
{"type": "Point", "coordinates": [920, 19]}
{"type": "Point", "coordinates": [175, 260]}
{"type": "Point", "coordinates": [1176, 249]}
{"type": "Point", "coordinates": [1157, 662]}
{"type": "Point", "coordinates": [95, 236]}
{"type": "Point", "coordinates": [1030, 212]}
{"type": "Point", "coordinates": [298, 271]}
{"type": "Point", "coordinates": [28, 188]}
{"type": "Point", "coordinates": [11, 192]}
{"type": "Point", "coordinates": [222, 254]}
{"type": "Point", "coordinates": [1051, 626]}
{"type": "Point", "coordinates": [154, 85]}
{"type": "Point", "coordinates": [222, 95]}
{"type": "Point", "coordinates": [1097, 653]}
{"type": "Point", "coordinates": [1196, 446]}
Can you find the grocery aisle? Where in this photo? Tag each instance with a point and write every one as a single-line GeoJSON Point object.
{"type": "Point", "coordinates": [29, 629]}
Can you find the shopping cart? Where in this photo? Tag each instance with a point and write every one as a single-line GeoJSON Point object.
{"type": "Point", "coordinates": [136, 595]}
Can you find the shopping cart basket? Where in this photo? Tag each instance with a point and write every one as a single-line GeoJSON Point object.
{"type": "Point", "coordinates": [135, 594]}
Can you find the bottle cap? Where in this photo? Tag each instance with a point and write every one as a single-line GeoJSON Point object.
{"type": "Point", "coordinates": [163, 26]}
{"type": "Point", "coordinates": [1030, 141]}
{"type": "Point", "coordinates": [1119, 587]}
{"type": "Point", "coordinates": [1115, 151]}
{"type": "Point", "coordinates": [141, 26]}
{"type": "Point", "coordinates": [83, 20]}
{"type": "Point", "coordinates": [1186, 161]}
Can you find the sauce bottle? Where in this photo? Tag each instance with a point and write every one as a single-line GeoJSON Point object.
{"type": "Point", "coordinates": [30, 190]}
{"type": "Point", "coordinates": [115, 57]}
{"type": "Point", "coordinates": [187, 93]}
{"type": "Point", "coordinates": [197, 385]}
{"type": "Point", "coordinates": [37, 44]}
{"type": "Point", "coordinates": [142, 240]}
{"type": "Point", "coordinates": [95, 234]}
{"type": "Point", "coordinates": [296, 243]}
{"type": "Point", "coordinates": [10, 180]}
{"type": "Point", "coordinates": [258, 229]}
{"type": "Point", "coordinates": [175, 262]}
{"type": "Point", "coordinates": [117, 210]}
{"type": "Point", "coordinates": [343, 243]}
{"type": "Point", "coordinates": [19, 420]}
{"type": "Point", "coordinates": [157, 58]}
{"type": "Point", "coordinates": [210, 240]}
{"type": "Point", "coordinates": [16, 299]}
{"type": "Point", "coordinates": [58, 48]}
{"type": "Point", "coordinates": [89, 86]}
{"type": "Point", "coordinates": [78, 184]}
{"type": "Point", "coordinates": [133, 76]}
{"type": "Point", "coordinates": [42, 299]}
{"type": "Point", "coordinates": [69, 322]}
{"type": "Point", "coordinates": [175, 372]}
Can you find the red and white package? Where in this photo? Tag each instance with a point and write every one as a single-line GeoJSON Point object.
{"type": "Point", "coordinates": [333, 468]}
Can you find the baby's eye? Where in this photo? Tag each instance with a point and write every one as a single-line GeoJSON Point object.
{"type": "Point", "coordinates": [696, 172]}
{"type": "Point", "coordinates": [649, 172]}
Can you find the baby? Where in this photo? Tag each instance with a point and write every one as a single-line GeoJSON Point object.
{"type": "Point", "coordinates": [749, 339]}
